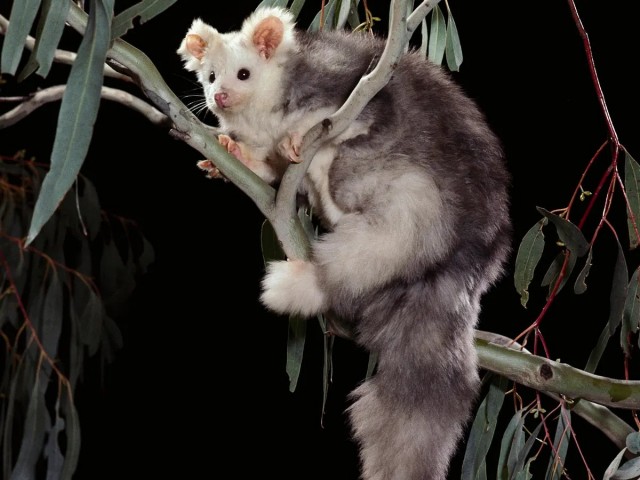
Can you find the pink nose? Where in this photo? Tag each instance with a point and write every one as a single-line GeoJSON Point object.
{"type": "Point", "coordinates": [222, 99]}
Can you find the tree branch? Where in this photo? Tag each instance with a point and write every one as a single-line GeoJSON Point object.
{"type": "Point", "coordinates": [51, 94]}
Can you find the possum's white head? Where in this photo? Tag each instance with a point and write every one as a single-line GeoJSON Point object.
{"type": "Point", "coordinates": [241, 71]}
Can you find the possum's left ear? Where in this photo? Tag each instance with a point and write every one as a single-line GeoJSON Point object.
{"type": "Point", "coordinates": [270, 31]}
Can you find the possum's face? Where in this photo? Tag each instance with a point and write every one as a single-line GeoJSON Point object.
{"type": "Point", "coordinates": [241, 71]}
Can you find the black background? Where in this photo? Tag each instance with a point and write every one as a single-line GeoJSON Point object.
{"type": "Point", "coordinates": [200, 387]}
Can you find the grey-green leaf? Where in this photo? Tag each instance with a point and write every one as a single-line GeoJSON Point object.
{"type": "Point", "coordinates": [561, 442]}
{"type": "Point", "coordinates": [515, 425]}
{"type": "Point", "coordinates": [520, 465]}
{"type": "Point", "coordinates": [23, 13]}
{"type": "Point", "coordinates": [295, 349]}
{"type": "Point", "coordinates": [437, 36]}
{"type": "Point", "coordinates": [633, 442]}
{"type": "Point", "coordinates": [453, 48]}
{"type": "Point", "coordinates": [483, 429]}
{"type": "Point", "coordinates": [632, 188]}
{"type": "Point", "coordinates": [551, 276]}
{"type": "Point", "coordinates": [613, 466]}
{"type": "Point", "coordinates": [529, 254]}
{"type": "Point", "coordinates": [271, 248]}
{"type": "Point", "coordinates": [618, 293]}
{"type": "Point", "coordinates": [424, 38]}
{"type": "Point", "coordinates": [78, 113]}
{"type": "Point", "coordinates": [72, 452]}
{"type": "Point", "coordinates": [143, 10]}
{"type": "Point", "coordinates": [581, 281]}
{"type": "Point", "coordinates": [568, 233]}
{"type": "Point", "coordinates": [628, 471]}
{"type": "Point", "coordinates": [631, 312]}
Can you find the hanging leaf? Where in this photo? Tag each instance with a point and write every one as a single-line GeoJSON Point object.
{"type": "Point", "coordinates": [424, 38]}
{"type": "Point", "coordinates": [50, 27]}
{"type": "Point", "coordinates": [371, 364]}
{"type": "Point", "coordinates": [618, 294]}
{"type": "Point", "coordinates": [529, 254]}
{"type": "Point", "coordinates": [35, 425]}
{"type": "Point", "coordinates": [22, 15]}
{"type": "Point", "coordinates": [295, 349]}
{"type": "Point", "coordinates": [327, 364]}
{"type": "Point", "coordinates": [143, 11]}
{"type": "Point", "coordinates": [271, 249]}
{"type": "Point", "coordinates": [483, 429]}
{"type": "Point", "coordinates": [561, 442]}
{"type": "Point", "coordinates": [296, 7]}
{"type": "Point", "coordinates": [78, 113]}
{"type": "Point", "coordinates": [581, 282]}
{"type": "Point", "coordinates": [520, 467]}
{"type": "Point", "coordinates": [52, 452]}
{"type": "Point", "coordinates": [72, 452]}
{"type": "Point", "coordinates": [343, 13]}
{"type": "Point", "coordinates": [628, 471]}
{"type": "Point", "coordinates": [551, 276]}
{"type": "Point", "coordinates": [632, 188]}
{"type": "Point", "coordinates": [437, 36]}
{"type": "Point", "coordinates": [52, 315]}
{"type": "Point", "coordinates": [631, 312]}
{"type": "Point", "coordinates": [613, 466]}
{"type": "Point", "coordinates": [515, 425]}
{"type": "Point", "coordinates": [568, 233]}
{"type": "Point", "coordinates": [453, 49]}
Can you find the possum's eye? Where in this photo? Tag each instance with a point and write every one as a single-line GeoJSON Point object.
{"type": "Point", "coordinates": [243, 74]}
{"type": "Point", "coordinates": [212, 77]}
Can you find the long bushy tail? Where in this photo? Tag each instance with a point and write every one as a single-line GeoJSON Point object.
{"type": "Point", "coordinates": [409, 417]}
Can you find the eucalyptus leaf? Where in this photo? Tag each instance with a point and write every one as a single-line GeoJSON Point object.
{"type": "Point", "coordinates": [327, 364]}
{"type": "Point", "coordinates": [296, 7]}
{"type": "Point", "coordinates": [631, 311]}
{"type": "Point", "coordinates": [72, 452]}
{"type": "Point", "coordinates": [618, 295]}
{"type": "Point", "coordinates": [581, 281]}
{"type": "Point", "coordinates": [453, 48]}
{"type": "Point", "coordinates": [515, 425]}
{"type": "Point", "coordinates": [78, 113]}
{"type": "Point", "coordinates": [521, 465]}
{"type": "Point", "coordinates": [33, 434]}
{"type": "Point", "coordinates": [483, 429]}
{"type": "Point", "coordinates": [50, 27]}
{"type": "Point", "coordinates": [295, 349]}
{"type": "Point", "coordinates": [23, 14]}
{"type": "Point", "coordinates": [527, 259]}
{"type": "Point", "coordinates": [343, 13]}
{"type": "Point", "coordinates": [568, 233]}
{"type": "Point", "coordinates": [52, 451]}
{"type": "Point", "coordinates": [613, 466]}
{"type": "Point", "coordinates": [598, 350]}
{"type": "Point", "coordinates": [632, 188]}
{"type": "Point", "coordinates": [271, 248]}
{"type": "Point", "coordinates": [633, 442]}
{"type": "Point", "coordinates": [628, 471]}
{"type": "Point", "coordinates": [52, 315]}
{"type": "Point", "coordinates": [437, 36]}
{"type": "Point", "coordinates": [551, 276]}
{"type": "Point", "coordinates": [143, 10]}
{"type": "Point", "coordinates": [424, 38]}
{"type": "Point", "coordinates": [561, 441]}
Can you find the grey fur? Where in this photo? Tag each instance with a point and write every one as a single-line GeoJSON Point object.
{"type": "Point", "coordinates": [418, 231]}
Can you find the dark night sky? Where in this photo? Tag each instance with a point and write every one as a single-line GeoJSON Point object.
{"type": "Point", "coordinates": [200, 384]}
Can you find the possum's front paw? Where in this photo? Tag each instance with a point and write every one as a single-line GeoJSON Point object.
{"type": "Point", "coordinates": [211, 170]}
{"type": "Point", "coordinates": [291, 287]}
{"type": "Point", "coordinates": [290, 147]}
{"type": "Point", "coordinates": [232, 147]}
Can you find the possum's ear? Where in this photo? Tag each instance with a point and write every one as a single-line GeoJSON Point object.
{"type": "Point", "coordinates": [195, 44]}
{"type": "Point", "coordinates": [270, 31]}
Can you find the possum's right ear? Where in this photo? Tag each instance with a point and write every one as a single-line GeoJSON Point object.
{"type": "Point", "coordinates": [195, 44]}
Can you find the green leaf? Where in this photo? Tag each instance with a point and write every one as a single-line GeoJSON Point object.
{"type": "Point", "coordinates": [327, 16]}
{"type": "Point", "coordinates": [613, 466]}
{"type": "Point", "coordinates": [343, 13]}
{"type": "Point", "coordinates": [632, 188]}
{"type": "Point", "coordinates": [598, 350]}
{"type": "Point", "coordinates": [628, 471]}
{"type": "Point", "coordinates": [271, 248]}
{"type": "Point", "coordinates": [327, 364]}
{"type": "Point", "coordinates": [522, 453]}
{"type": "Point", "coordinates": [453, 49]}
{"type": "Point", "coordinates": [35, 425]}
{"type": "Point", "coordinates": [437, 36]}
{"type": "Point", "coordinates": [50, 27]}
{"type": "Point", "coordinates": [52, 316]}
{"type": "Point", "coordinates": [296, 7]}
{"type": "Point", "coordinates": [424, 38]}
{"type": "Point", "coordinates": [52, 452]}
{"type": "Point", "coordinates": [295, 349]}
{"type": "Point", "coordinates": [551, 276]}
{"type": "Point", "coordinates": [78, 113]}
{"type": "Point", "coordinates": [23, 13]}
{"type": "Point", "coordinates": [483, 429]}
{"type": "Point", "coordinates": [568, 233]}
{"type": "Point", "coordinates": [633, 442]}
{"type": "Point", "coordinates": [581, 282]}
{"type": "Point", "coordinates": [371, 364]}
{"type": "Point", "coordinates": [561, 442]}
{"type": "Point", "coordinates": [631, 312]}
{"type": "Point", "coordinates": [515, 425]}
{"type": "Point", "coordinates": [72, 452]}
{"type": "Point", "coordinates": [529, 254]}
{"type": "Point", "coordinates": [143, 10]}
{"type": "Point", "coordinates": [618, 295]}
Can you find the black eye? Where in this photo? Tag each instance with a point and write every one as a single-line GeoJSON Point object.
{"type": "Point", "coordinates": [212, 77]}
{"type": "Point", "coordinates": [243, 74]}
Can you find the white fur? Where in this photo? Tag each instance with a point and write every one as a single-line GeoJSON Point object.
{"type": "Point", "coordinates": [292, 288]}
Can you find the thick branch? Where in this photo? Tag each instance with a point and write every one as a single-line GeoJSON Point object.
{"type": "Point", "coordinates": [52, 94]}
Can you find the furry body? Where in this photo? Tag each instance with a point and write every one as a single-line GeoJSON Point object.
{"type": "Point", "coordinates": [414, 197]}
